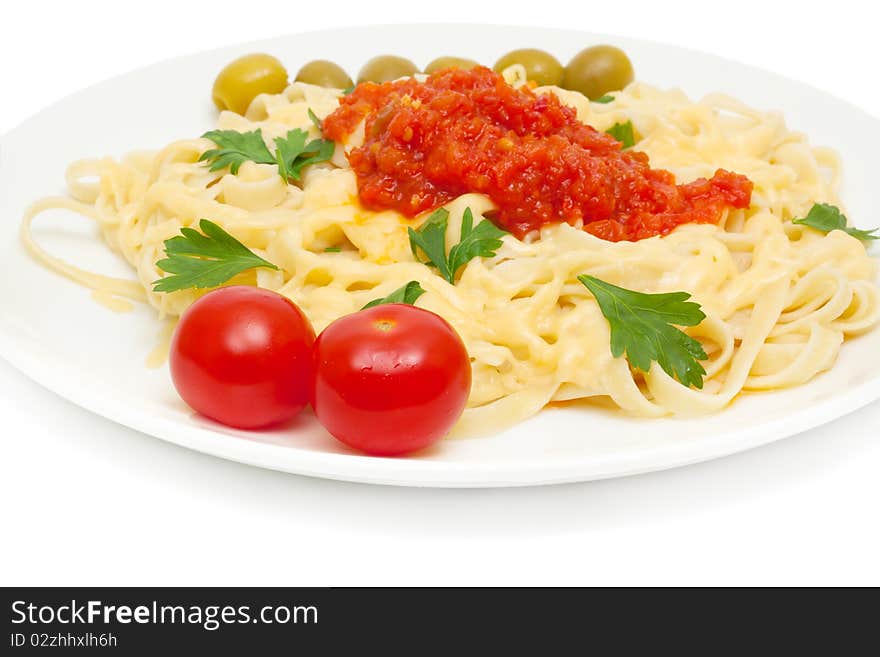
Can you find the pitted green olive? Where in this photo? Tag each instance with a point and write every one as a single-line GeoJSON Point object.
{"type": "Point", "coordinates": [245, 78]}
{"type": "Point", "coordinates": [323, 73]}
{"type": "Point", "coordinates": [385, 68]}
{"type": "Point", "coordinates": [450, 62]}
{"type": "Point", "coordinates": [542, 67]}
{"type": "Point", "coordinates": [596, 71]}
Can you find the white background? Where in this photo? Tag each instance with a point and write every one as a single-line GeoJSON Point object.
{"type": "Point", "coordinates": [83, 501]}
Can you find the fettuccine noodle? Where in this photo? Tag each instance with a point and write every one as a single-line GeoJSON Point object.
{"type": "Point", "coordinates": [780, 298]}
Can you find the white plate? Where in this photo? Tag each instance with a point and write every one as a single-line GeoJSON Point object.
{"type": "Point", "coordinates": [54, 332]}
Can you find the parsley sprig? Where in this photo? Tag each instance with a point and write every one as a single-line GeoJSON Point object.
{"type": "Point", "coordinates": [430, 238]}
{"type": "Point", "coordinates": [407, 294]}
{"type": "Point", "coordinates": [205, 259]}
{"type": "Point", "coordinates": [292, 153]}
{"type": "Point", "coordinates": [643, 326]}
{"type": "Point", "coordinates": [236, 148]}
{"type": "Point", "coordinates": [825, 217]}
{"type": "Point", "coordinates": [624, 133]}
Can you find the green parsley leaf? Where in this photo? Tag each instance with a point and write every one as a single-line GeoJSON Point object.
{"type": "Point", "coordinates": [623, 132]}
{"type": "Point", "coordinates": [287, 151]}
{"type": "Point", "coordinates": [604, 100]}
{"type": "Point", "coordinates": [408, 294]}
{"type": "Point", "coordinates": [347, 90]}
{"type": "Point", "coordinates": [431, 238]}
{"type": "Point", "coordinates": [315, 120]}
{"type": "Point", "coordinates": [826, 218]}
{"type": "Point", "coordinates": [205, 259]}
{"type": "Point", "coordinates": [293, 153]}
{"type": "Point", "coordinates": [479, 242]}
{"type": "Point", "coordinates": [642, 327]}
{"type": "Point", "coordinates": [236, 148]}
{"type": "Point", "coordinates": [324, 152]}
{"type": "Point", "coordinates": [333, 249]}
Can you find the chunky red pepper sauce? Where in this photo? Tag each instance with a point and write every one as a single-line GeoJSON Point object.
{"type": "Point", "coordinates": [469, 131]}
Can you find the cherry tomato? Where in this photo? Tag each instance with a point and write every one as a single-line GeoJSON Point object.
{"type": "Point", "coordinates": [242, 356]}
{"type": "Point", "coordinates": [391, 379]}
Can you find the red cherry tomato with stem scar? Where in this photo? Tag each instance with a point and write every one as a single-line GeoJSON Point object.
{"type": "Point", "coordinates": [242, 356]}
{"type": "Point", "coordinates": [391, 379]}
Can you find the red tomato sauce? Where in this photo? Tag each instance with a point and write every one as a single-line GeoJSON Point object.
{"type": "Point", "coordinates": [469, 131]}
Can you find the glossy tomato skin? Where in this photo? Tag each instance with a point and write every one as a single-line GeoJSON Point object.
{"type": "Point", "coordinates": [391, 379]}
{"type": "Point", "coordinates": [242, 356]}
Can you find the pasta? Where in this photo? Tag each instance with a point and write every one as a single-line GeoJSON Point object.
{"type": "Point", "coordinates": [780, 298]}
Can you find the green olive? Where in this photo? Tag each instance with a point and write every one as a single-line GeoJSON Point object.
{"type": "Point", "coordinates": [385, 68]}
{"type": "Point", "coordinates": [450, 62]}
{"type": "Point", "coordinates": [597, 70]}
{"type": "Point", "coordinates": [542, 67]}
{"type": "Point", "coordinates": [322, 73]}
{"type": "Point", "coordinates": [245, 78]}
